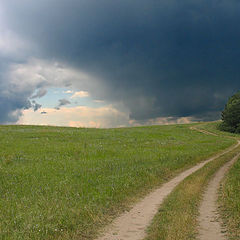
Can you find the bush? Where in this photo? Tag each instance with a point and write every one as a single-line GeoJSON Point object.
{"type": "Point", "coordinates": [238, 129]}
{"type": "Point", "coordinates": [231, 115]}
{"type": "Point", "coordinates": [224, 127]}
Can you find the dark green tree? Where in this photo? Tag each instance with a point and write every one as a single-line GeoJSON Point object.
{"type": "Point", "coordinates": [231, 115]}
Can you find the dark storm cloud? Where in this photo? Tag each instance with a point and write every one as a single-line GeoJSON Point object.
{"type": "Point", "coordinates": [10, 100]}
{"type": "Point", "coordinates": [158, 58]}
{"type": "Point", "coordinates": [14, 95]}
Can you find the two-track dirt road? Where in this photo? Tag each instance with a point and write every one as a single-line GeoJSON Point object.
{"type": "Point", "coordinates": [133, 224]}
{"type": "Point", "coordinates": [209, 220]}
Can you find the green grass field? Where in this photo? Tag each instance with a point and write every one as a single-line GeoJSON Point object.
{"type": "Point", "coordinates": [66, 183]}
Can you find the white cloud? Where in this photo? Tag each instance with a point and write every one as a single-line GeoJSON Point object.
{"type": "Point", "coordinates": [98, 101]}
{"type": "Point", "coordinates": [68, 91]}
{"type": "Point", "coordinates": [80, 94]}
{"type": "Point", "coordinates": [36, 76]}
{"type": "Point", "coordinates": [39, 72]}
{"type": "Point", "coordinates": [25, 79]}
{"type": "Point", "coordinates": [81, 116]}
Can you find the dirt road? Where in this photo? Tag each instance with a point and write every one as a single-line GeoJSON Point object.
{"type": "Point", "coordinates": [132, 225]}
{"type": "Point", "coordinates": [209, 220]}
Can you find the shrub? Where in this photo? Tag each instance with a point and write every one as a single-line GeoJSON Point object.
{"type": "Point", "coordinates": [231, 115]}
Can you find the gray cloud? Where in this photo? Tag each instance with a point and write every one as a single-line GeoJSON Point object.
{"type": "Point", "coordinates": [35, 105]}
{"type": "Point", "coordinates": [40, 93]}
{"type": "Point", "coordinates": [12, 99]}
{"type": "Point", "coordinates": [157, 58]}
{"type": "Point", "coordinates": [62, 102]}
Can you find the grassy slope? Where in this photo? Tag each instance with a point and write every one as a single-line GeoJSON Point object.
{"type": "Point", "coordinates": [64, 183]}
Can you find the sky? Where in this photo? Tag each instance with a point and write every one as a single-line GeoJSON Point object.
{"type": "Point", "coordinates": [105, 63]}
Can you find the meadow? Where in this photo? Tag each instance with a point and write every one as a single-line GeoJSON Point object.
{"type": "Point", "coordinates": [67, 183]}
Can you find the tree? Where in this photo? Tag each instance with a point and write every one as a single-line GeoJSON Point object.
{"type": "Point", "coordinates": [231, 115]}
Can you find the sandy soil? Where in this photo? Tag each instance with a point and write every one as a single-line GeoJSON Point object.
{"type": "Point", "coordinates": [209, 221]}
{"type": "Point", "coordinates": [132, 225]}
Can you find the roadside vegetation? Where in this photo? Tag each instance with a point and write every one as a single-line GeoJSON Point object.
{"type": "Point", "coordinates": [177, 217]}
{"type": "Point", "coordinates": [66, 183]}
{"type": "Point", "coordinates": [214, 127]}
{"type": "Point", "coordinates": [229, 201]}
